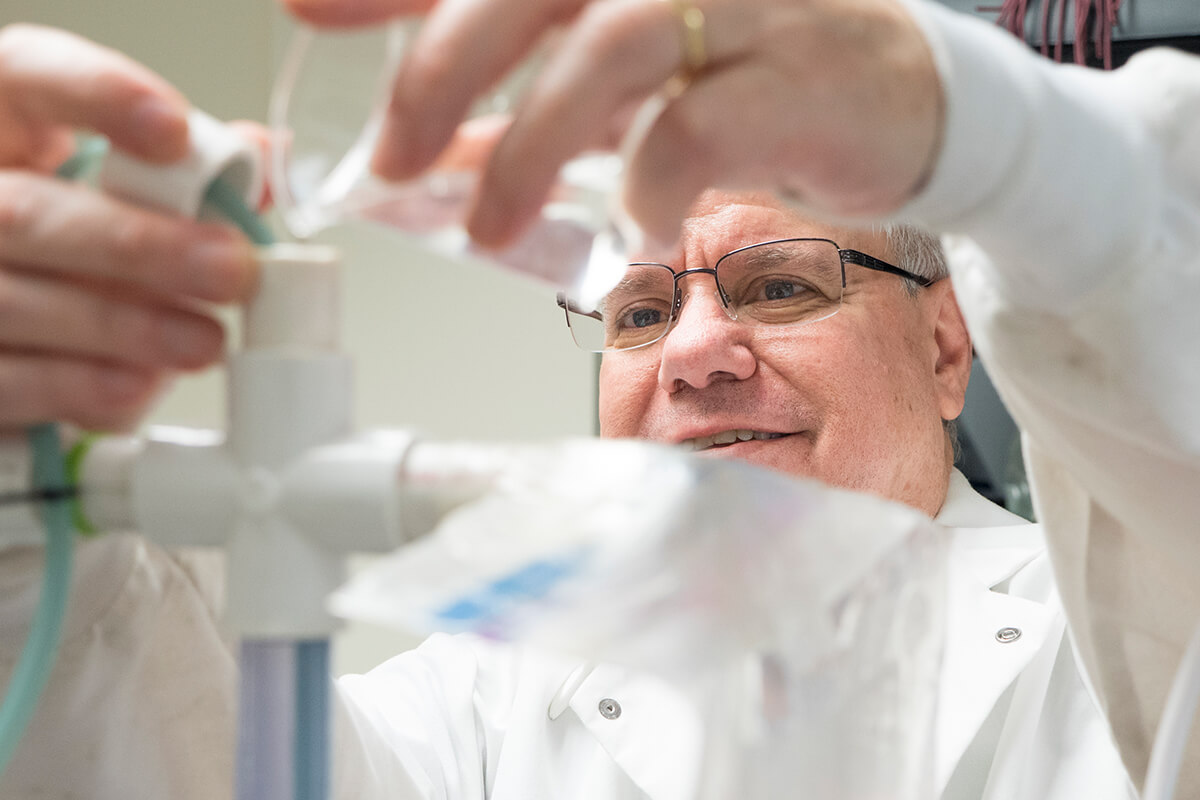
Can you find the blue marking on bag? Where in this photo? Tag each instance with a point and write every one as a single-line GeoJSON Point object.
{"type": "Point", "coordinates": [532, 581]}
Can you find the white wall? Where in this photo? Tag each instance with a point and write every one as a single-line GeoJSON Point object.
{"type": "Point", "coordinates": [453, 350]}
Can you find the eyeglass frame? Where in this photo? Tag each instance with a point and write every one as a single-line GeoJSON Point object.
{"type": "Point", "coordinates": [845, 256]}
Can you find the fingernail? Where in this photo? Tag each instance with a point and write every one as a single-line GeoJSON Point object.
{"type": "Point", "coordinates": [190, 343]}
{"type": "Point", "coordinates": [220, 268]}
{"type": "Point", "coordinates": [162, 127]}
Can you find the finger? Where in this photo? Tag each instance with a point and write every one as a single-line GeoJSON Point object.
{"type": "Point", "coordinates": [616, 55]}
{"type": "Point", "coordinates": [463, 48]}
{"type": "Point", "coordinates": [353, 13]}
{"type": "Point", "coordinates": [473, 143]}
{"type": "Point", "coordinates": [696, 144]}
{"type": "Point", "coordinates": [49, 77]}
{"type": "Point", "coordinates": [46, 150]}
{"type": "Point", "coordinates": [85, 321]}
{"type": "Point", "coordinates": [90, 394]}
{"type": "Point", "coordinates": [65, 228]}
{"type": "Point", "coordinates": [838, 110]}
{"type": "Point", "coordinates": [813, 148]}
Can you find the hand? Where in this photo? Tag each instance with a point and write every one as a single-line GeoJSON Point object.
{"type": "Point", "coordinates": [832, 103]}
{"type": "Point", "coordinates": [99, 300]}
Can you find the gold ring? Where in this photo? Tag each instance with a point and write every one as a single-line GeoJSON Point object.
{"type": "Point", "coordinates": [695, 52]}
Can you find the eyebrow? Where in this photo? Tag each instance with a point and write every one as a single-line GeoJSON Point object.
{"type": "Point", "coordinates": [764, 257]}
{"type": "Point", "coordinates": [642, 280]}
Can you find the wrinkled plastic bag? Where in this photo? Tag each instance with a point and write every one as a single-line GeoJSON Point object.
{"type": "Point", "coordinates": [805, 623]}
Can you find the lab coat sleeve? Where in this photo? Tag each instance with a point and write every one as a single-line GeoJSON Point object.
{"type": "Point", "coordinates": [140, 701]}
{"type": "Point", "coordinates": [1076, 195]}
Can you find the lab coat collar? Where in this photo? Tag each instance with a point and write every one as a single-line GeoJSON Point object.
{"type": "Point", "coordinates": [991, 543]}
{"type": "Point", "coordinates": [988, 546]}
{"type": "Point", "coordinates": [657, 726]}
{"type": "Point", "coordinates": [966, 508]}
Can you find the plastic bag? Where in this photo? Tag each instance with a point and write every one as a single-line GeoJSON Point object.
{"type": "Point", "coordinates": [806, 623]}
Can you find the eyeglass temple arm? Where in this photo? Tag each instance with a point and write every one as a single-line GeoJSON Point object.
{"type": "Point", "coordinates": [566, 305]}
{"type": "Point", "coordinates": [870, 262]}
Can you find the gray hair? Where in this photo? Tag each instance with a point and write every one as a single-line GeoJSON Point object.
{"type": "Point", "coordinates": [917, 251]}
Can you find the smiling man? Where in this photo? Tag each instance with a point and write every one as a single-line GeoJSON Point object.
{"type": "Point", "coordinates": [815, 356]}
{"type": "Point", "coordinates": [821, 352]}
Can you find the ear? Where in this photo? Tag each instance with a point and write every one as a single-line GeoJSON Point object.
{"type": "Point", "coordinates": [952, 364]}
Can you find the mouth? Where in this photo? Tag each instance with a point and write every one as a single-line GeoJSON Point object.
{"type": "Point", "coordinates": [728, 438]}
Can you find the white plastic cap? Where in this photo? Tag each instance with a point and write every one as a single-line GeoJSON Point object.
{"type": "Point", "coordinates": [297, 302]}
{"type": "Point", "coordinates": [215, 151]}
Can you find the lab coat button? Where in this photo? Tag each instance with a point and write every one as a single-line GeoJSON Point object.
{"type": "Point", "coordinates": [609, 708]}
{"type": "Point", "coordinates": [1006, 635]}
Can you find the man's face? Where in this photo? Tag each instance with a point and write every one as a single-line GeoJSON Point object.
{"type": "Point", "coordinates": [857, 399]}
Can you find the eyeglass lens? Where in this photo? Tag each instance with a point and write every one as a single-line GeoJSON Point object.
{"type": "Point", "coordinates": [788, 282]}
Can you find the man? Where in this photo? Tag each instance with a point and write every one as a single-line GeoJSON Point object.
{"type": "Point", "coordinates": [856, 398]}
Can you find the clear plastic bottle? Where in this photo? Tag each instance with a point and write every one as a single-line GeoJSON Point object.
{"type": "Point", "coordinates": [328, 106]}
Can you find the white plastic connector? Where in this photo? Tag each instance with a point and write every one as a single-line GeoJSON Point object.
{"type": "Point", "coordinates": [347, 495]}
{"type": "Point", "coordinates": [178, 485]}
{"type": "Point", "coordinates": [289, 393]}
{"type": "Point", "coordinates": [185, 488]}
{"type": "Point", "coordinates": [296, 304]}
{"type": "Point", "coordinates": [288, 491]}
{"type": "Point", "coordinates": [215, 151]}
{"type": "Point", "coordinates": [290, 396]}
{"type": "Point", "coordinates": [106, 481]}
{"type": "Point", "coordinates": [438, 476]}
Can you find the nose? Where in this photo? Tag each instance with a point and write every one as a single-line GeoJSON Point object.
{"type": "Point", "coordinates": [704, 346]}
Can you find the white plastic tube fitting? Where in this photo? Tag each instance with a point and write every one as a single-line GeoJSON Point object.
{"type": "Point", "coordinates": [215, 151]}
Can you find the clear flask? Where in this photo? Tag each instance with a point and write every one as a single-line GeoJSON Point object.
{"type": "Point", "coordinates": [327, 110]}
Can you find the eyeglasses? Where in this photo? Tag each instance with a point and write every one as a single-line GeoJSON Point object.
{"type": "Point", "coordinates": [780, 282]}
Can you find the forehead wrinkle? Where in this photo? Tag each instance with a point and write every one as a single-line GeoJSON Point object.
{"type": "Point", "coordinates": [718, 219]}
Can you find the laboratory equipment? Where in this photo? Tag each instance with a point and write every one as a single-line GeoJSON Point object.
{"type": "Point", "coordinates": [1104, 33]}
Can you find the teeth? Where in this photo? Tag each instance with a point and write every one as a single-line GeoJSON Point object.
{"type": "Point", "coordinates": [728, 437]}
